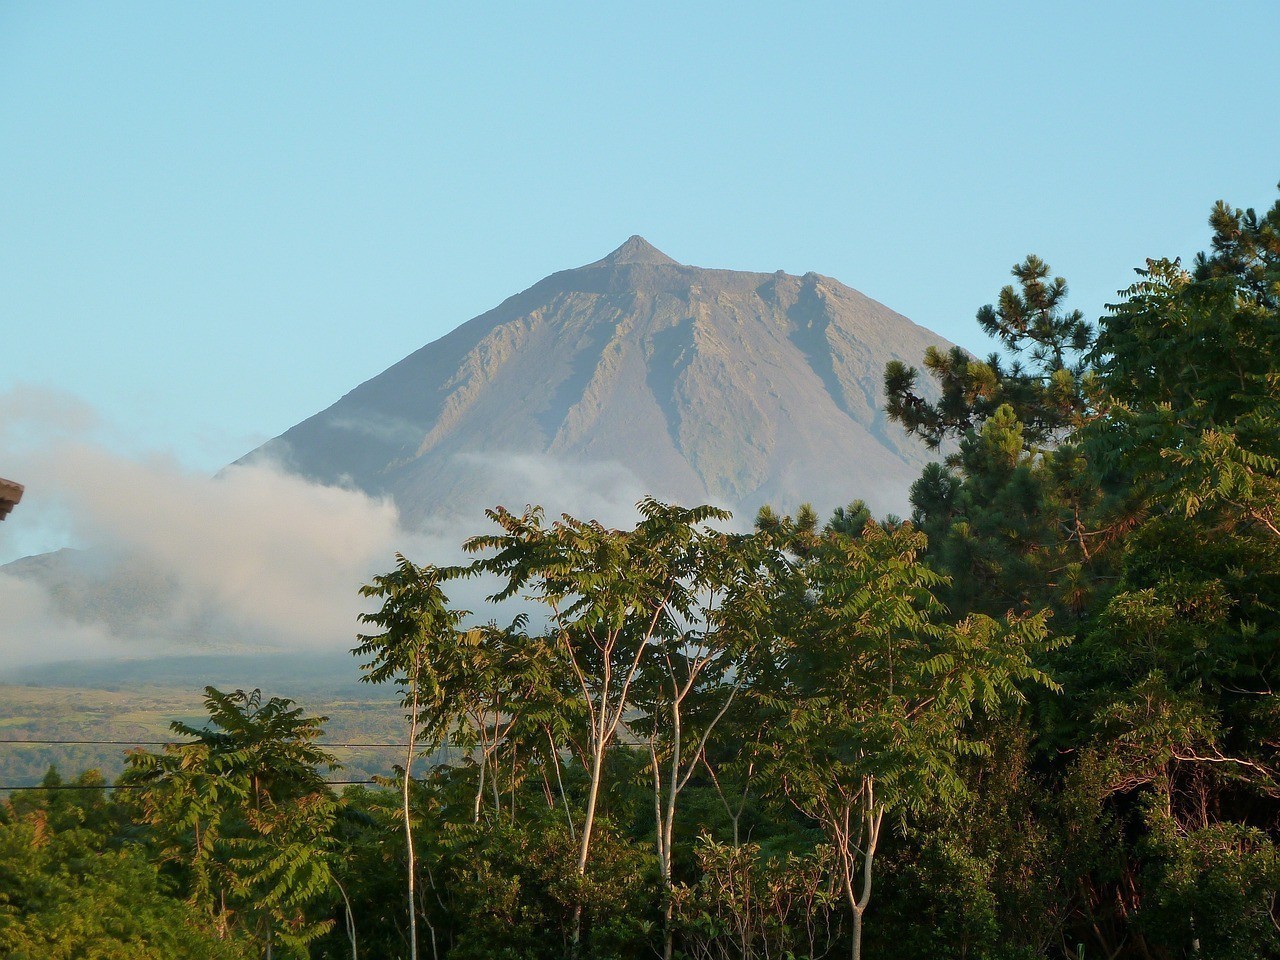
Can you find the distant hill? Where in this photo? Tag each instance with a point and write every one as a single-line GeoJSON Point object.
{"type": "Point", "coordinates": [691, 384]}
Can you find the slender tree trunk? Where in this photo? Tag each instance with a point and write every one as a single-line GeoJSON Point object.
{"type": "Point", "coordinates": [484, 765]}
{"type": "Point", "coordinates": [607, 713]}
{"type": "Point", "coordinates": [599, 725]}
{"type": "Point", "coordinates": [546, 789]}
{"type": "Point", "coordinates": [869, 834]}
{"type": "Point", "coordinates": [351, 919]}
{"type": "Point", "coordinates": [497, 795]}
{"type": "Point", "coordinates": [588, 822]}
{"type": "Point", "coordinates": [564, 800]}
{"type": "Point", "coordinates": [668, 831]}
{"type": "Point", "coordinates": [408, 825]}
{"type": "Point", "coordinates": [515, 759]}
{"type": "Point", "coordinates": [734, 814]}
{"type": "Point", "coordinates": [657, 816]}
{"type": "Point", "coordinates": [677, 782]}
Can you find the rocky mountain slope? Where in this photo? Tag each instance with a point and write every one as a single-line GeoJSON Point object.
{"type": "Point", "coordinates": [693, 384]}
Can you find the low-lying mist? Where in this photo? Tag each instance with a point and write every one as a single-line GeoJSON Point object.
{"type": "Point", "coordinates": [170, 561]}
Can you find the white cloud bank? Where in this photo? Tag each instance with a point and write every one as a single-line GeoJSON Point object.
{"type": "Point", "coordinates": [175, 561]}
{"type": "Point", "coordinates": [253, 560]}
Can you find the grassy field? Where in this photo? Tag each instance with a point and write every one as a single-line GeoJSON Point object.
{"type": "Point", "coordinates": [137, 702]}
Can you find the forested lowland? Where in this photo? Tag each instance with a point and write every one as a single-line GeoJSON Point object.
{"type": "Point", "coordinates": [1037, 719]}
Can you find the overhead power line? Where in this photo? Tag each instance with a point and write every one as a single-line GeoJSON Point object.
{"type": "Point", "coordinates": [166, 743]}
{"type": "Point", "coordinates": [142, 786]}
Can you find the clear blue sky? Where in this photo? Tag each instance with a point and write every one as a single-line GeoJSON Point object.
{"type": "Point", "coordinates": [217, 218]}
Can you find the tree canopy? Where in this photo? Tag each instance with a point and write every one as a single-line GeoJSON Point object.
{"type": "Point", "coordinates": [1036, 719]}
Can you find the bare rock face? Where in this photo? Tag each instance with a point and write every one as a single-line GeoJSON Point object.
{"type": "Point", "coordinates": [690, 384]}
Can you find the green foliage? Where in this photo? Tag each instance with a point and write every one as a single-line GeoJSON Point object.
{"type": "Point", "coordinates": [418, 647]}
{"type": "Point", "coordinates": [1246, 250]}
{"type": "Point", "coordinates": [697, 748]}
{"type": "Point", "coordinates": [70, 889]}
{"type": "Point", "coordinates": [1143, 512]}
{"type": "Point", "coordinates": [517, 890]}
{"type": "Point", "coordinates": [747, 905]}
{"type": "Point", "coordinates": [875, 684]}
{"type": "Point", "coordinates": [1214, 890]}
{"type": "Point", "coordinates": [1045, 385]}
{"type": "Point", "coordinates": [616, 601]}
{"type": "Point", "coordinates": [965, 923]}
{"type": "Point", "coordinates": [243, 809]}
{"type": "Point", "coordinates": [996, 533]}
{"type": "Point", "coordinates": [1194, 393]}
{"type": "Point", "coordinates": [874, 690]}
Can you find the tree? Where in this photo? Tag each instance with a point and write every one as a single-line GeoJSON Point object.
{"type": "Point", "coordinates": [874, 689]}
{"type": "Point", "coordinates": [1178, 667]}
{"type": "Point", "coordinates": [1045, 382]}
{"type": "Point", "coordinates": [70, 888]}
{"type": "Point", "coordinates": [243, 807]}
{"type": "Point", "coordinates": [696, 670]}
{"type": "Point", "coordinates": [419, 650]}
{"type": "Point", "coordinates": [1144, 512]}
{"type": "Point", "coordinates": [746, 905]}
{"type": "Point", "coordinates": [1013, 515]}
{"type": "Point", "coordinates": [1192, 392]}
{"type": "Point", "coordinates": [611, 596]}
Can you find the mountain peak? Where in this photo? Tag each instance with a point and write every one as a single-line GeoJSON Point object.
{"type": "Point", "coordinates": [638, 250]}
{"type": "Point", "coordinates": [629, 375]}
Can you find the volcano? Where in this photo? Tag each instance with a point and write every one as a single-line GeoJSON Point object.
{"type": "Point", "coordinates": [690, 384]}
